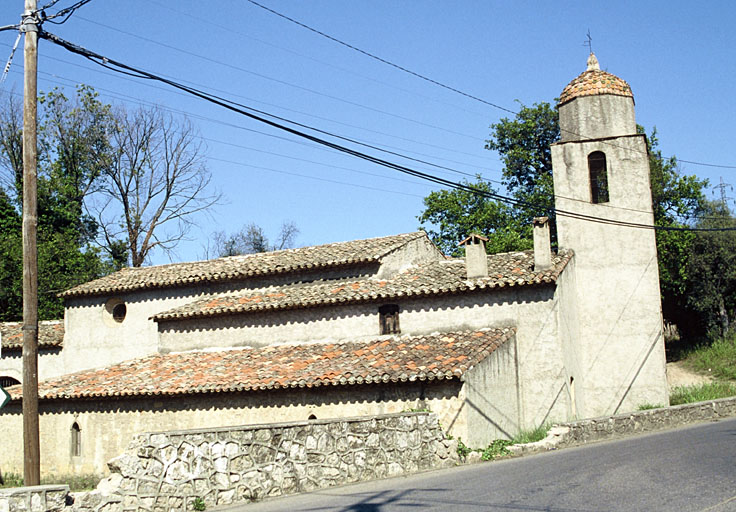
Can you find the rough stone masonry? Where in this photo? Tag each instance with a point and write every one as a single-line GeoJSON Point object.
{"type": "Point", "coordinates": [171, 470]}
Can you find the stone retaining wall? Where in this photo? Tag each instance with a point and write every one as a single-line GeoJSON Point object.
{"type": "Point", "coordinates": [651, 420]}
{"type": "Point", "coordinates": [39, 498]}
{"type": "Point", "coordinates": [170, 470]}
{"type": "Point", "coordinates": [621, 425]}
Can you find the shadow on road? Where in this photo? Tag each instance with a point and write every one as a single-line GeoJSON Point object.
{"type": "Point", "coordinates": [378, 501]}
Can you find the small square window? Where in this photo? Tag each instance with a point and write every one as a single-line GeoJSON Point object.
{"type": "Point", "coordinates": [389, 319]}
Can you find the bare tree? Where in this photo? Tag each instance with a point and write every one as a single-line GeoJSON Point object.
{"type": "Point", "coordinates": [155, 183]}
{"type": "Point", "coordinates": [250, 239]}
{"type": "Point", "coordinates": [287, 236]}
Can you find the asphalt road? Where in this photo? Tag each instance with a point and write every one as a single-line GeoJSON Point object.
{"type": "Point", "coordinates": [688, 469]}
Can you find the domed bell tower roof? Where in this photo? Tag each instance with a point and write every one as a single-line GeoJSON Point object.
{"type": "Point", "coordinates": [592, 82]}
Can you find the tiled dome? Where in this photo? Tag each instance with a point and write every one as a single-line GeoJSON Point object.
{"type": "Point", "coordinates": [592, 82]}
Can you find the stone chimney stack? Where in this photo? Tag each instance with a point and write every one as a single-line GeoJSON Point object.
{"type": "Point", "coordinates": [542, 248]}
{"type": "Point", "coordinates": [476, 260]}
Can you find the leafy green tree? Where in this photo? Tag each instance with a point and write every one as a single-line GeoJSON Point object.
{"type": "Point", "coordinates": [10, 259]}
{"type": "Point", "coordinates": [524, 144]}
{"type": "Point", "coordinates": [72, 151]}
{"type": "Point", "coordinates": [451, 215]}
{"type": "Point", "coordinates": [677, 200]}
{"type": "Point", "coordinates": [711, 268]}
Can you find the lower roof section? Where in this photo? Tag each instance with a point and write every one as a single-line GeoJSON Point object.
{"type": "Point", "coordinates": [387, 359]}
{"type": "Point", "coordinates": [50, 334]}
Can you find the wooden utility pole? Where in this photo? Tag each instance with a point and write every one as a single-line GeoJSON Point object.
{"type": "Point", "coordinates": [31, 450]}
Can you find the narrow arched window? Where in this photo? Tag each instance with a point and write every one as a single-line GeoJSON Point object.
{"type": "Point", "coordinates": [598, 177]}
{"type": "Point", "coordinates": [76, 440]}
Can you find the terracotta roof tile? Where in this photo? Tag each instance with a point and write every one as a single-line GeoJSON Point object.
{"type": "Point", "coordinates": [594, 82]}
{"type": "Point", "coordinates": [50, 334]}
{"type": "Point", "coordinates": [425, 279]}
{"type": "Point", "coordinates": [397, 359]}
{"type": "Point", "coordinates": [248, 265]}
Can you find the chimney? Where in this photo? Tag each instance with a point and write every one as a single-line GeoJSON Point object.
{"type": "Point", "coordinates": [476, 261]}
{"type": "Point", "coordinates": [542, 249]}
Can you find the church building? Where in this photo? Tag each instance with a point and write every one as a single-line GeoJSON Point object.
{"type": "Point", "coordinates": [491, 343]}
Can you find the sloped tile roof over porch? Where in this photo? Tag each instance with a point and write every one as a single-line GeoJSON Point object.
{"type": "Point", "coordinates": [388, 359]}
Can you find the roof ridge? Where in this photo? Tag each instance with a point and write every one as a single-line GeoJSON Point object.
{"type": "Point", "coordinates": [423, 279]}
{"type": "Point", "coordinates": [227, 268]}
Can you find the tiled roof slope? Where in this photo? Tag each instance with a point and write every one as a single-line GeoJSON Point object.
{"type": "Point", "coordinates": [425, 279]}
{"type": "Point", "coordinates": [50, 334]}
{"type": "Point", "coordinates": [248, 265]}
{"type": "Point", "coordinates": [396, 359]}
{"type": "Point", "coordinates": [594, 82]}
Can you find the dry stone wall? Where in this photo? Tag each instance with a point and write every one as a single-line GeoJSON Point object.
{"type": "Point", "coordinates": [39, 498]}
{"type": "Point", "coordinates": [172, 470]}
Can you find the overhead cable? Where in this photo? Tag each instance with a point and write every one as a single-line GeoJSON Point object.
{"type": "Point", "coordinates": [249, 112]}
{"type": "Point", "coordinates": [435, 82]}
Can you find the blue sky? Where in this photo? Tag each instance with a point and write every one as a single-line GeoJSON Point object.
{"type": "Point", "coordinates": [677, 57]}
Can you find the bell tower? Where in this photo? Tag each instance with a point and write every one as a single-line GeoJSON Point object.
{"type": "Point", "coordinates": [615, 350]}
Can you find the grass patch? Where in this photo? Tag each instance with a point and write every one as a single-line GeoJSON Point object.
{"type": "Point", "coordinates": [702, 392]}
{"type": "Point", "coordinates": [646, 407]}
{"type": "Point", "coordinates": [717, 358]}
{"type": "Point", "coordinates": [83, 482]}
{"type": "Point", "coordinates": [532, 435]}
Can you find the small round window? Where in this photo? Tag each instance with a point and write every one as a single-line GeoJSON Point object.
{"type": "Point", "coordinates": [118, 312]}
{"type": "Point", "coordinates": [114, 312]}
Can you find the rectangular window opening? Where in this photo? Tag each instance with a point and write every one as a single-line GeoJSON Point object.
{"type": "Point", "coordinates": [389, 319]}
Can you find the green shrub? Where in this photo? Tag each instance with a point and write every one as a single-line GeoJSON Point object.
{"type": "Point", "coordinates": [198, 504]}
{"type": "Point", "coordinates": [12, 480]}
{"type": "Point", "coordinates": [497, 448]}
{"type": "Point", "coordinates": [462, 449]}
{"type": "Point", "coordinates": [702, 392]}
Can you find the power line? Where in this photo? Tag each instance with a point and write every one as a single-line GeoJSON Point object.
{"type": "Point", "coordinates": [203, 87]}
{"type": "Point", "coordinates": [437, 83]}
{"type": "Point", "coordinates": [384, 61]}
{"type": "Point", "coordinates": [316, 147]}
{"type": "Point", "coordinates": [119, 95]}
{"type": "Point", "coordinates": [282, 82]}
{"type": "Point", "coordinates": [347, 139]}
{"type": "Point", "coordinates": [250, 148]}
{"type": "Point", "coordinates": [233, 30]}
{"type": "Point", "coordinates": [248, 112]}
{"type": "Point", "coordinates": [67, 13]}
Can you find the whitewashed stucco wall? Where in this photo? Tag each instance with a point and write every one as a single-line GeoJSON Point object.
{"type": "Point", "coordinates": [532, 310]}
{"type": "Point", "coordinates": [620, 350]}
{"type": "Point", "coordinates": [50, 363]}
{"type": "Point", "coordinates": [93, 340]}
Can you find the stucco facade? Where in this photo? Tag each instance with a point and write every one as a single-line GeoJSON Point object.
{"type": "Point", "coordinates": [533, 311]}
{"type": "Point", "coordinates": [618, 344]}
